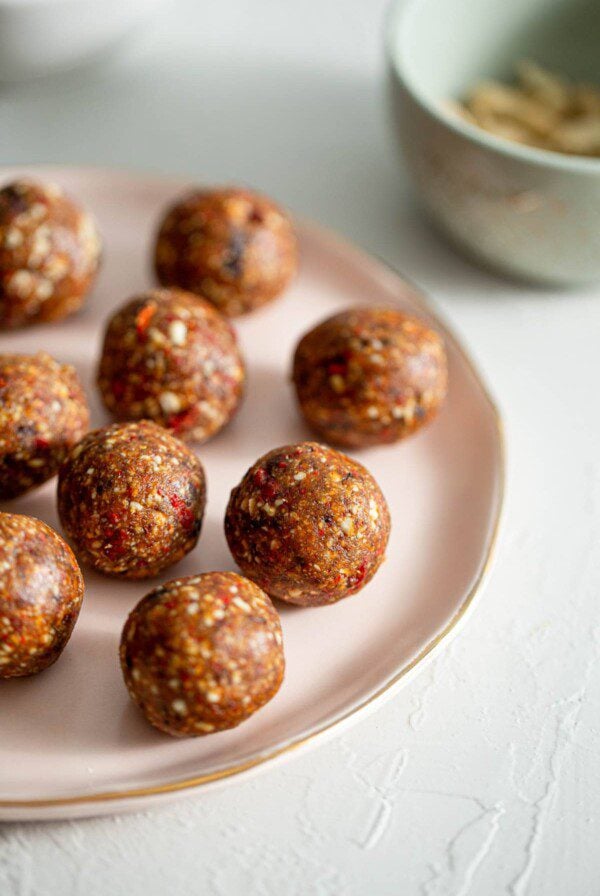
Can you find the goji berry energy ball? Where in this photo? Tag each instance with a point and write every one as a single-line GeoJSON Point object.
{"type": "Point", "coordinates": [41, 589]}
{"type": "Point", "coordinates": [202, 653]}
{"type": "Point", "coordinates": [308, 524]}
{"type": "Point", "coordinates": [43, 413]}
{"type": "Point", "coordinates": [232, 246]}
{"type": "Point", "coordinates": [170, 357]}
{"type": "Point", "coordinates": [370, 376]}
{"type": "Point", "coordinates": [49, 254]}
{"type": "Point", "coordinates": [131, 498]}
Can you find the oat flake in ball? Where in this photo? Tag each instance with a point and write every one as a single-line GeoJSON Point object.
{"type": "Point", "coordinates": [202, 653]}
{"type": "Point", "coordinates": [232, 246]}
{"type": "Point", "coordinates": [370, 375]}
{"type": "Point", "coordinates": [171, 357]}
{"type": "Point", "coordinates": [308, 524]}
{"type": "Point", "coordinates": [131, 497]}
{"type": "Point", "coordinates": [41, 589]}
{"type": "Point", "coordinates": [49, 254]}
{"type": "Point", "coordinates": [43, 413]}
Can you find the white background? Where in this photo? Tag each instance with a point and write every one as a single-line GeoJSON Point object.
{"type": "Point", "coordinates": [481, 776]}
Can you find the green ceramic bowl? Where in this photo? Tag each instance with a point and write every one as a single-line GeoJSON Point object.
{"type": "Point", "coordinates": [527, 212]}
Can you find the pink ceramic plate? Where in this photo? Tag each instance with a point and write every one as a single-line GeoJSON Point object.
{"type": "Point", "coordinates": [71, 742]}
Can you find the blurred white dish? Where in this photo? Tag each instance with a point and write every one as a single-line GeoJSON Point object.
{"type": "Point", "coordinates": [40, 36]}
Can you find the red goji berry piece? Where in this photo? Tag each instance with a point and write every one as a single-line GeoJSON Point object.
{"type": "Point", "coordinates": [269, 490]}
{"type": "Point", "coordinates": [183, 420]}
{"type": "Point", "coordinates": [143, 318]}
{"type": "Point", "coordinates": [260, 477]}
{"type": "Point", "coordinates": [185, 514]}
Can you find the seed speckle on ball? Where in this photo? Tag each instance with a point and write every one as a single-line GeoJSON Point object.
{"type": "Point", "coordinates": [171, 357]}
{"type": "Point", "coordinates": [131, 498]}
{"type": "Point", "coordinates": [43, 413]}
{"type": "Point", "coordinates": [232, 246]}
{"type": "Point", "coordinates": [201, 654]}
{"type": "Point", "coordinates": [49, 254]}
{"type": "Point", "coordinates": [369, 376]}
{"type": "Point", "coordinates": [308, 524]}
{"type": "Point", "coordinates": [41, 590]}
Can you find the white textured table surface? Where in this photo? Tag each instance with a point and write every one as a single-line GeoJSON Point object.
{"type": "Point", "coordinates": [481, 777]}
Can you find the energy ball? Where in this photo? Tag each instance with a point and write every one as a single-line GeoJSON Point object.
{"type": "Point", "coordinates": [41, 589]}
{"type": "Point", "coordinates": [369, 376]}
{"type": "Point", "coordinates": [308, 524]}
{"type": "Point", "coordinates": [43, 414]}
{"type": "Point", "coordinates": [131, 497]}
{"type": "Point", "coordinates": [170, 357]}
{"type": "Point", "coordinates": [49, 254]}
{"type": "Point", "coordinates": [233, 247]}
{"type": "Point", "coordinates": [202, 653]}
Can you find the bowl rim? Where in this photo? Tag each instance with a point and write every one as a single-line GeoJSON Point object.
{"type": "Point", "coordinates": [396, 16]}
